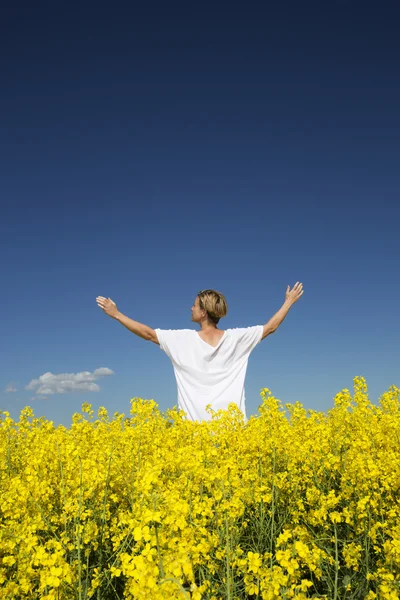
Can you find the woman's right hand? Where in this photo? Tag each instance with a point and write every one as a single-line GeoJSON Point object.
{"type": "Point", "coordinates": [294, 294]}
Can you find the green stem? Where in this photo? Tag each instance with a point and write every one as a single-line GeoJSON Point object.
{"type": "Point", "coordinates": [103, 519]}
{"type": "Point", "coordinates": [79, 534]}
{"type": "Point", "coordinates": [272, 507]}
{"type": "Point", "coordinates": [62, 486]}
{"type": "Point", "coordinates": [160, 562]}
{"type": "Point", "coordinates": [228, 579]}
{"type": "Point", "coordinates": [8, 455]}
{"type": "Point", "coordinates": [335, 591]}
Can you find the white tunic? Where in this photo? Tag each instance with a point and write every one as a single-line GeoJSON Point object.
{"type": "Point", "coordinates": [208, 375]}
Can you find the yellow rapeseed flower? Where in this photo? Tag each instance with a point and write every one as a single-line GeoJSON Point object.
{"type": "Point", "coordinates": [168, 508]}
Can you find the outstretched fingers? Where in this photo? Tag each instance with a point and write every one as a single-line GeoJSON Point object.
{"type": "Point", "coordinates": [101, 301]}
{"type": "Point", "coordinates": [296, 291]}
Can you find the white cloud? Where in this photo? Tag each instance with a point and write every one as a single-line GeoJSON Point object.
{"type": "Point", "coordinates": [67, 383]}
{"type": "Point", "coordinates": [103, 371]}
{"type": "Point", "coordinates": [10, 388]}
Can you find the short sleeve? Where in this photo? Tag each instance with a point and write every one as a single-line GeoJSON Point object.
{"type": "Point", "coordinates": [170, 341]}
{"type": "Point", "coordinates": [247, 338]}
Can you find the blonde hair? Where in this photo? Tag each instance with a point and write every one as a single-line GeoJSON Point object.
{"type": "Point", "coordinates": [214, 303]}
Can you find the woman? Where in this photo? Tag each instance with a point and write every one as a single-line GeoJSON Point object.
{"type": "Point", "coordinates": [209, 365]}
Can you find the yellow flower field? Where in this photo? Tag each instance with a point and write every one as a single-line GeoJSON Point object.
{"type": "Point", "coordinates": [292, 504]}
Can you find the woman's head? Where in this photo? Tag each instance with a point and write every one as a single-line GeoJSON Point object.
{"type": "Point", "coordinates": [210, 304]}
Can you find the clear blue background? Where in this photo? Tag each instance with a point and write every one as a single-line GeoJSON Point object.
{"type": "Point", "coordinates": [148, 153]}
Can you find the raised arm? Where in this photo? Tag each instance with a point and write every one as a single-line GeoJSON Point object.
{"type": "Point", "coordinates": [291, 297]}
{"type": "Point", "coordinates": [143, 331]}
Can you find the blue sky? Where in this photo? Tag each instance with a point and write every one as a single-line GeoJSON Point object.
{"type": "Point", "coordinates": [148, 153]}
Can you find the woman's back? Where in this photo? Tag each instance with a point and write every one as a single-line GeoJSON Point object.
{"type": "Point", "coordinates": [209, 372]}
